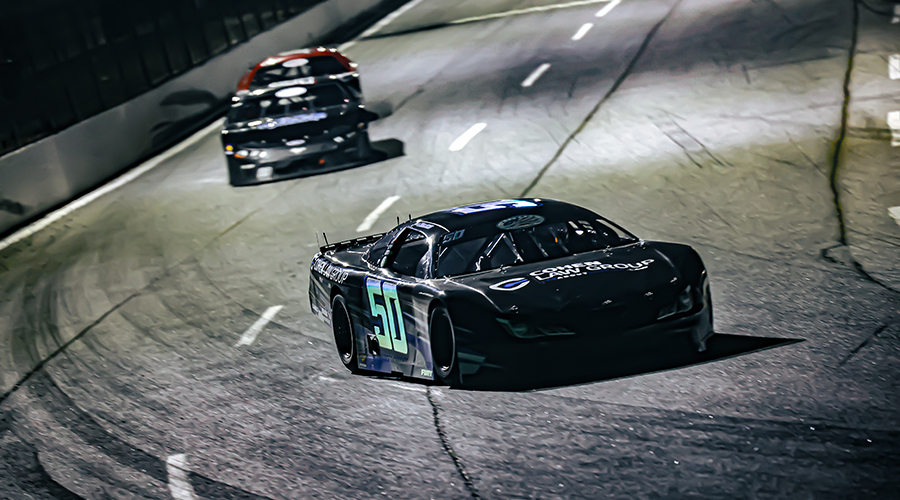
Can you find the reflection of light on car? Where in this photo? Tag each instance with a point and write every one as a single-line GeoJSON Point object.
{"type": "Point", "coordinates": [291, 92]}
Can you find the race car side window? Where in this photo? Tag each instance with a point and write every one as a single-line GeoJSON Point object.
{"type": "Point", "coordinates": [376, 252]}
{"type": "Point", "coordinates": [459, 257]}
{"type": "Point", "coordinates": [409, 255]}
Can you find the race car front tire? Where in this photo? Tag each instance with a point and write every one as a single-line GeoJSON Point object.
{"type": "Point", "coordinates": [443, 348]}
{"type": "Point", "coordinates": [344, 339]}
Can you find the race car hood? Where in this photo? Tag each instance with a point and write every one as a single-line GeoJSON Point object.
{"type": "Point", "coordinates": [312, 122]}
{"type": "Point", "coordinates": [636, 273]}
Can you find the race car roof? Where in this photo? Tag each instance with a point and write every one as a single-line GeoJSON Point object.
{"type": "Point", "coordinates": [492, 212]}
{"type": "Point", "coordinates": [303, 54]}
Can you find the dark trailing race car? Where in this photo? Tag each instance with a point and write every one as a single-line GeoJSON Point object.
{"type": "Point", "coordinates": [279, 133]}
{"type": "Point", "coordinates": [508, 286]}
{"type": "Point", "coordinates": [300, 67]}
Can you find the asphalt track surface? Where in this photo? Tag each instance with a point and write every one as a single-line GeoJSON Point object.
{"type": "Point", "coordinates": [717, 124]}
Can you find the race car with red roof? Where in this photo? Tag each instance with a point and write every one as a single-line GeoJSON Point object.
{"type": "Point", "coordinates": [506, 287]}
{"type": "Point", "coordinates": [300, 67]}
{"type": "Point", "coordinates": [284, 132]}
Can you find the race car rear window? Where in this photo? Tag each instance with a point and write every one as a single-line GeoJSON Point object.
{"type": "Point", "coordinates": [317, 97]}
{"type": "Point", "coordinates": [479, 250]}
{"type": "Point", "coordinates": [315, 66]}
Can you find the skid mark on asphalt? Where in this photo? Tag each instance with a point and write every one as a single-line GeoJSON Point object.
{"type": "Point", "coordinates": [66, 413]}
{"type": "Point", "coordinates": [149, 286]}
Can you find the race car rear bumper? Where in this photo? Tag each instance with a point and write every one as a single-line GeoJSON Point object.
{"type": "Point", "coordinates": [320, 158]}
{"type": "Point", "coordinates": [495, 356]}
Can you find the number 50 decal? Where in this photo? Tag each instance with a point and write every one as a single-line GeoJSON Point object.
{"type": "Point", "coordinates": [391, 335]}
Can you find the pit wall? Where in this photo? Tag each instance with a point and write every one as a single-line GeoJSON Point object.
{"type": "Point", "coordinates": [52, 171]}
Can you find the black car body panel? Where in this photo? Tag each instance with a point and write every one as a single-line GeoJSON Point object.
{"type": "Point", "coordinates": [625, 294]}
{"type": "Point", "coordinates": [280, 133]}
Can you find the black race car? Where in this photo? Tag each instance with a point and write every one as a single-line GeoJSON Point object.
{"type": "Point", "coordinates": [287, 132]}
{"type": "Point", "coordinates": [516, 286]}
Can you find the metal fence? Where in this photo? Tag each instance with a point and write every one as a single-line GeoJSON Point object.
{"type": "Point", "coordinates": [62, 61]}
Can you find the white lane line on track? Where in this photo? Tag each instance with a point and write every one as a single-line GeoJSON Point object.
{"type": "Point", "coordinates": [895, 213]}
{"type": "Point", "coordinates": [467, 136]}
{"type": "Point", "coordinates": [894, 67]}
{"type": "Point", "coordinates": [129, 176]}
{"type": "Point", "coordinates": [250, 335]}
{"type": "Point", "coordinates": [893, 121]}
{"type": "Point", "coordinates": [582, 31]}
{"type": "Point", "coordinates": [179, 484]}
{"type": "Point", "coordinates": [606, 9]}
{"type": "Point", "coordinates": [370, 219]}
{"type": "Point", "coordinates": [529, 10]}
{"type": "Point", "coordinates": [379, 25]}
{"type": "Point", "coordinates": [528, 82]}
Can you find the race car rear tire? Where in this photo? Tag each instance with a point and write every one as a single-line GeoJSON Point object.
{"type": "Point", "coordinates": [443, 348]}
{"type": "Point", "coordinates": [344, 339]}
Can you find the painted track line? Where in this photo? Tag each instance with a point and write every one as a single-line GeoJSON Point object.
{"type": "Point", "coordinates": [893, 122]}
{"type": "Point", "coordinates": [540, 70]}
{"type": "Point", "coordinates": [380, 24]}
{"type": "Point", "coordinates": [467, 136]}
{"type": "Point", "coordinates": [894, 212]}
{"type": "Point", "coordinates": [606, 9]}
{"type": "Point", "coordinates": [179, 483]}
{"type": "Point", "coordinates": [250, 335]}
{"type": "Point", "coordinates": [129, 176]}
{"type": "Point", "coordinates": [370, 219]}
{"type": "Point", "coordinates": [530, 10]}
{"type": "Point", "coordinates": [583, 30]}
{"type": "Point", "coordinates": [894, 67]}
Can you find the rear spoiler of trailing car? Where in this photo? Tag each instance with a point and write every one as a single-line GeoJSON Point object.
{"type": "Point", "coordinates": [355, 242]}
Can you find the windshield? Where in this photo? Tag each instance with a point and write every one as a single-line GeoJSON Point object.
{"type": "Point", "coordinates": [314, 98]}
{"type": "Point", "coordinates": [297, 68]}
{"type": "Point", "coordinates": [522, 240]}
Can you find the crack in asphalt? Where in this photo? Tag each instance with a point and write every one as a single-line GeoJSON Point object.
{"type": "Point", "coordinates": [874, 335]}
{"type": "Point", "coordinates": [445, 443]}
{"type": "Point", "coordinates": [618, 83]}
{"type": "Point", "coordinates": [836, 160]}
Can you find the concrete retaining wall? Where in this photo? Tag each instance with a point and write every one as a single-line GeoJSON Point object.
{"type": "Point", "coordinates": [56, 169]}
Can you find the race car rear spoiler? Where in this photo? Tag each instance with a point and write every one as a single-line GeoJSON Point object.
{"type": "Point", "coordinates": [355, 242]}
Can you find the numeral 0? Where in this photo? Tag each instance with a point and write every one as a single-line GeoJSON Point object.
{"type": "Point", "coordinates": [392, 334]}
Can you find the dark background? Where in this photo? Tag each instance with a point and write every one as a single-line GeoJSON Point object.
{"type": "Point", "coordinates": [62, 62]}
